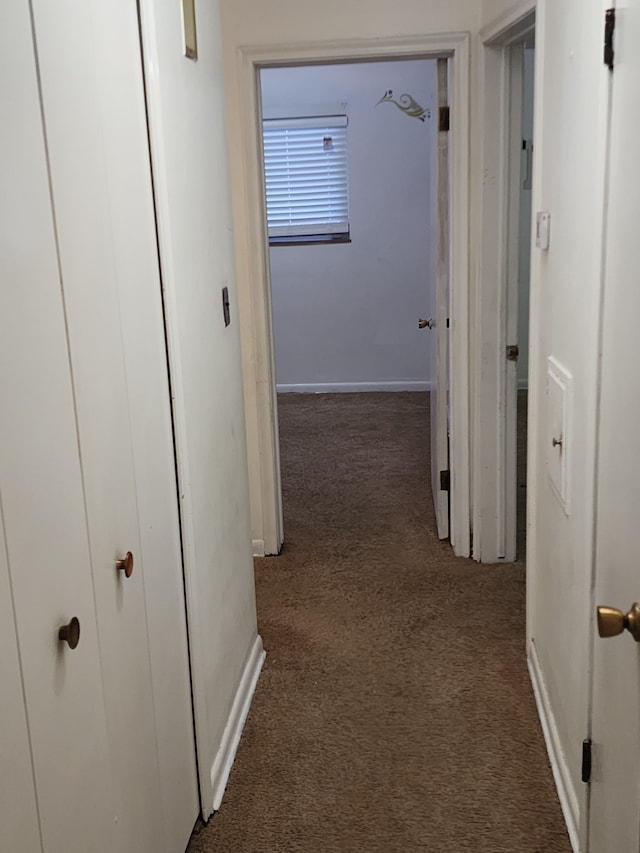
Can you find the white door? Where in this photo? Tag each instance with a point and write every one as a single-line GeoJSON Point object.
{"type": "Point", "coordinates": [514, 233]}
{"type": "Point", "coordinates": [42, 502]}
{"type": "Point", "coordinates": [88, 272]}
{"type": "Point", "coordinates": [137, 285]}
{"type": "Point", "coordinates": [93, 108]}
{"type": "Point", "coordinates": [83, 368]}
{"type": "Point", "coordinates": [439, 330]}
{"type": "Point", "coordinates": [18, 807]}
{"type": "Point", "coordinates": [615, 788]}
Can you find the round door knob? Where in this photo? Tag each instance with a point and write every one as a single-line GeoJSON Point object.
{"type": "Point", "coordinates": [612, 621]}
{"type": "Point", "coordinates": [70, 633]}
{"type": "Point", "coordinates": [126, 565]}
{"type": "Point", "coordinates": [426, 324]}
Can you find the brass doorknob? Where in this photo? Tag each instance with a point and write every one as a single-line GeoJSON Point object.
{"type": "Point", "coordinates": [426, 324]}
{"type": "Point", "coordinates": [612, 622]}
{"type": "Point", "coordinates": [70, 633]}
{"type": "Point", "coordinates": [126, 565]}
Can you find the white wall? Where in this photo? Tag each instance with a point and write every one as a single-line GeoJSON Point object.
{"type": "Point", "coordinates": [189, 153]}
{"type": "Point", "coordinates": [569, 168]}
{"type": "Point", "coordinates": [345, 315]}
{"type": "Point", "coordinates": [492, 10]}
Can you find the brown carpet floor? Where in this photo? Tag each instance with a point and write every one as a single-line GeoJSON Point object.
{"type": "Point", "coordinates": [394, 713]}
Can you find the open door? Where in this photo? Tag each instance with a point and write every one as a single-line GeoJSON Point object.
{"type": "Point", "coordinates": [439, 324]}
{"type": "Point", "coordinates": [520, 150]}
{"type": "Point", "coordinates": [514, 245]}
{"type": "Point", "coordinates": [614, 814]}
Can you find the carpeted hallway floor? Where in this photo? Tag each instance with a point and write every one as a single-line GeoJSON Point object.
{"type": "Point", "coordinates": [394, 713]}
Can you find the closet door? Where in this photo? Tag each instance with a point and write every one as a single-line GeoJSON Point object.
{"type": "Point", "coordinates": [43, 513]}
{"type": "Point", "coordinates": [64, 39]}
{"type": "Point", "coordinates": [94, 115]}
{"type": "Point", "coordinates": [120, 98]}
{"type": "Point", "coordinates": [18, 809]}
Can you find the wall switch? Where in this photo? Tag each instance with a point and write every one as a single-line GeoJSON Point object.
{"type": "Point", "coordinates": [543, 226]}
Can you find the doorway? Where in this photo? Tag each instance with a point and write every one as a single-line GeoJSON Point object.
{"type": "Point", "coordinates": [521, 86]}
{"type": "Point", "coordinates": [352, 187]}
{"type": "Point", "coordinates": [258, 344]}
{"type": "Point", "coordinates": [501, 315]}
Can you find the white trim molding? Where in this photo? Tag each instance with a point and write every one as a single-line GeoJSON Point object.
{"type": "Point", "coordinates": [255, 300]}
{"type": "Point", "coordinates": [493, 477]}
{"type": "Point", "coordinates": [511, 25]}
{"type": "Point", "coordinates": [350, 387]}
{"type": "Point", "coordinates": [235, 723]}
{"type": "Point", "coordinates": [558, 760]}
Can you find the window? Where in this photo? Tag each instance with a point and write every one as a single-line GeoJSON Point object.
{"type": "Point", "coordinates": [306, 177]}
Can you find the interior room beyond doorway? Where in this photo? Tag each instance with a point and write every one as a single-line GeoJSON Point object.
{"type": "Point", "coordinates": [345, 314]}
{"type": "Point", "coordinates": [346, 306]}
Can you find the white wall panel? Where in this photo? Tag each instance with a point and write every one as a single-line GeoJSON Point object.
{"type": "Point", "coordinates": [189, 152]}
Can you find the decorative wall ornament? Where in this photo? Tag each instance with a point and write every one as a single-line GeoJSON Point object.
{"type": "Point", "coordinates": [406, 104]}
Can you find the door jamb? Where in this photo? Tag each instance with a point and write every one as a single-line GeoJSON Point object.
{"type": "Point", "coordinates": [256, 323]}
{"type": "Point", "coordinates": [491, 541]}
{"type": "Point", "coordinates": [509, 375]}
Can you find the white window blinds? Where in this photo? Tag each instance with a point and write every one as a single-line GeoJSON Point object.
{"type": "Point", "coordinates": [306, 176]}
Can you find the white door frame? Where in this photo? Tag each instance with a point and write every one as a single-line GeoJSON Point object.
{"type": "Point", "coordinates": [257, 302]}
{"type": "Point", "coordinates": [493, 504]}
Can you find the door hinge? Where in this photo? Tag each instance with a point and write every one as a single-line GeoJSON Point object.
{"type": "Point", "coordinates": [445, 481]}
{"type": "Point", "coordinates": [443, 119]}
{"type": "Point", "coordinates": [609, 27]}
{"type": "Point", "coordinates": [513, 352]}
{"type": "Point", "coordinates": [586, 760]}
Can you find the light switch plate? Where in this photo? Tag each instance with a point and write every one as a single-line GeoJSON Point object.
{"type": "Point", "coordinates": [543, 228]}
{"type": "Point", "coordinates": [189, 29]}
{"type": "Point", "coordinates": [558, 435]}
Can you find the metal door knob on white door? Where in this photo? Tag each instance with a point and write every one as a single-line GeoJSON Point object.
{"type": "Point", "coordinates": [426, 324]}
{"type": "Point", "coordinates": [612, 621]}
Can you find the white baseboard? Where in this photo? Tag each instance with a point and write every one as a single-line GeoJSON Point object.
{"type": "Point", "coordinates": [257, 546]}
{"type": "Point", "coordinates": [350, 387]}
{"type": "Point", "coordinates": [560, 768]}
{"type": "Point", "coordinates": [235, 724]}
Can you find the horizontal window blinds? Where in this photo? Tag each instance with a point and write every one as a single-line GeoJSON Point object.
{"type": "Point", "coordinates": [306, 176]}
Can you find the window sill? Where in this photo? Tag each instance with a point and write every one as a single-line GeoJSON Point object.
{"type": "Point", "coordinates": [310, 240]}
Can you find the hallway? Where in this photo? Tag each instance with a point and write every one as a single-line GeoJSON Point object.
{"type": "Point", "coordinates": [394, 712]}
